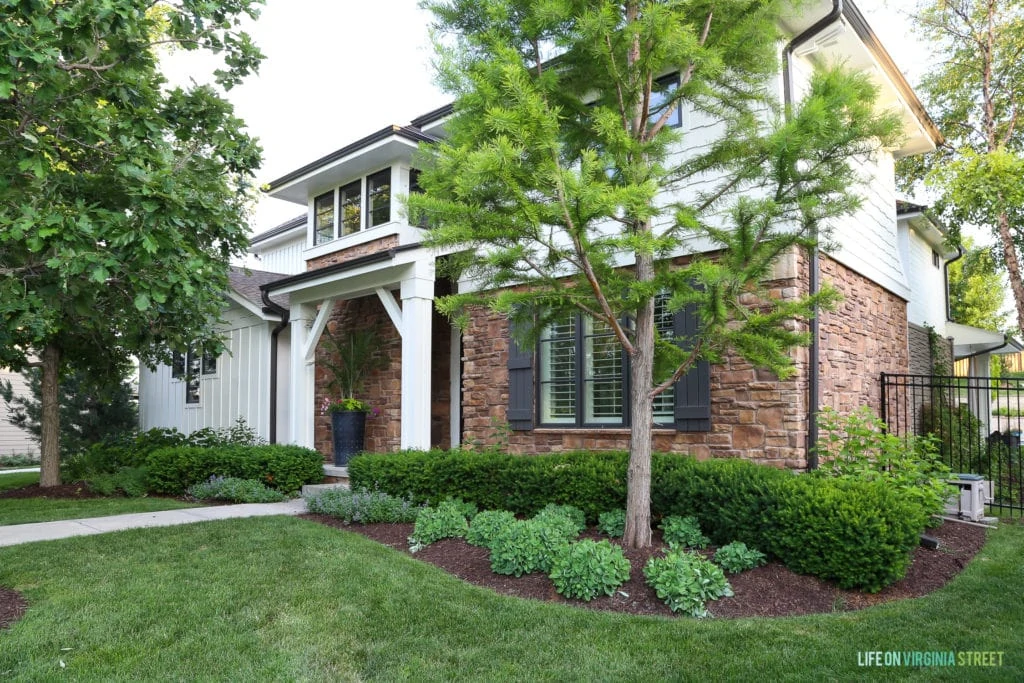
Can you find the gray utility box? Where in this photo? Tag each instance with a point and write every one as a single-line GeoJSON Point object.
{"type": "Point", "coordinates": [974, 494]}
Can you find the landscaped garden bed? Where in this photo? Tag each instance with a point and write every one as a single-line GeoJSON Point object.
{"type": "Point", "coordinates": [768, 591]}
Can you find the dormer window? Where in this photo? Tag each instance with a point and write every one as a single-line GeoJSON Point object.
{"type": "Point", "coordinates": [342, 211]}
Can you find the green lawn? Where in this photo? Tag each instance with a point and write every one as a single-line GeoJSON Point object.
{"type": "Point", "coordinates": [26, 510]}
{"type": "Point", "coordinates": [286, 599]}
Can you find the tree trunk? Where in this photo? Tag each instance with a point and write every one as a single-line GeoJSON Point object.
{"type": "Point", "coordinates": [49, 419]}
{"type": "Point", "coordinates": [1012, 266]}
{"type": "Point", "coordinates": [638, 486]}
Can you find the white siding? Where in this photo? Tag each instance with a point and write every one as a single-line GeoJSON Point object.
{"type": "Point", "coordinates": [927, 304]}
{"type": "Point", "coordinates": [12, 439]}
{"type": "Point", "coordinates": [283, 258]}
{"type": "Point", "coordinates": [240, 388]}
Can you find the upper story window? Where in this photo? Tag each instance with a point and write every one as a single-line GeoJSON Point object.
{"type": "Point", "coordinates": [659, 100]}
{"type": "Point", "coordinates": [415, 188]}
{"type": "Point", "coordinates": [361, 204]}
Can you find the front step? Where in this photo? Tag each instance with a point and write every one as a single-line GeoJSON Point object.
{"type": "Point", "coordinates": [334, 477]}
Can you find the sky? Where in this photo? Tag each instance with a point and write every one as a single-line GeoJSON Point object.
{"type": "Point", "coordinates": [336, 71]}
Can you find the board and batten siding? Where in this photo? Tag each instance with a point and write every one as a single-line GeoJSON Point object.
{"type": "Point", "coordinates": [12, 439]}
{"type": "Point", "coordinates": [285, 258]}
{"type": "Point", "coordinates": [239, 388]}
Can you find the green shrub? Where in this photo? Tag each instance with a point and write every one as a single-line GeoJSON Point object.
{"type": "Point", "coordinates": [528, 546]}
{"type": "Point", "coordinates": [858, 446]}
{"type": "Point", "coordinates": [586, 569]}
{"type": "Point", "coordinates": [19, 460]}
{"type": "Point", "coordinates": [363, 506]}
{"type": "Point", "coordinates": [593, 482]}
{"type": "Point", "coordinates": [732, 499]}
{"type": "Point", "coordinates": [122, 450]}
{"type": "Point", "coordinates": [466, 509]}
{"type": "Point", "coordinates": [612, 523]}
{"type": "Point", "coordinates": [736, 557]}
{"type": "Point", "coordinates": [683, 532]}
{"type": "Point", "coordinates": [447, 520]}
{"type": "Point", "coordinates": [576, 522]}
{"type": "Point", "coordinates": [235, 489]}
{"type": "Point", "coordinates": [686, 581]}
{"type": "Point", "coordinates": [129, 481]}
{"type": "Point", "coordinates": [284, 468]}
{"type": "Point", "coordinates": [488, 525]}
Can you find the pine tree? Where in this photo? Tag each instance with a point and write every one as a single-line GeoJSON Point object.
{"type": "Point", "coordinates": [560, 186]}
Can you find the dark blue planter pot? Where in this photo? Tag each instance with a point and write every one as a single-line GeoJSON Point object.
{"type": "Point", "coordinates": [349, 431]}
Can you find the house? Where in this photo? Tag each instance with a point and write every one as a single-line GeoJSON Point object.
{"type": "Point", "coordinates": [352, 258]}
{"type": "Point", "coordinates": [14, 440]}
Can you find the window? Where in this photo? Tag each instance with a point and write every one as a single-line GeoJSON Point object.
{"type": "Point", "coordinates": [414, 188]}
{"type": "Point", "coordinates": [378, 197]}
{"type": "Point", "coordinates": [190, 367]}
{"type": "Point", "coordinates": [936, 261]}
{"type": "Point", "coordinates": [583, 373]}
{"type": "Point", "coordinates": [659, 95]}
{"type": "Point", "coordinates": [341, 212]}
{"type": "Point", "coordinates": [323, 218]}
{"type": "Point", "coordinates": [350, 205]}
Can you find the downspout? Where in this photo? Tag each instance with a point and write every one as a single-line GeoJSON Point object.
{"type": "Point", "coordinates": [814, 284]}
{"type": "Point", "coordinates": [271, 306]}
{"type": "Point", "coordinates": [945, 276]}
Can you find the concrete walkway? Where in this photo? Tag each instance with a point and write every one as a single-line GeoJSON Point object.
{"type": "Point", "coordinates": [15, 534]}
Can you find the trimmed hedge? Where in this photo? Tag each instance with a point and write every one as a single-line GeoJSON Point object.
{"type": "Point", "coordinates": [858, 533]}
{"type": "Point", "coordinates": [284, 468]}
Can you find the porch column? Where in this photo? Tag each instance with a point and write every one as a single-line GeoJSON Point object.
{"type": "Point", "coordinates": [301, 391]}
{"type": "Point", "coordinates": [417, 318]}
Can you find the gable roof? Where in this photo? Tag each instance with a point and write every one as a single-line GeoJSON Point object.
{"type": "Point", "coordinates": [246, 283]}
{"type": "Point", "coordinates": [287, 226]}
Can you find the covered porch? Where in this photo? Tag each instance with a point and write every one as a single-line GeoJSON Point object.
{"type": "Point", "coordinates": [415, 395]}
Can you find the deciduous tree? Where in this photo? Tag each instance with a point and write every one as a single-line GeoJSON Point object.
{"type": "Point", "coordinates": [563, 187]}
{"type": "Point", "coordinates": [975, 89]}
{"type": "Point", "coordinates": [121, 198]}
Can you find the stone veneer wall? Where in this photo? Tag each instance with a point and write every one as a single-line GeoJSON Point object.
{"type": "Point", "coordinates": [351, 253]}
{"type": "Point", "coordinates": [865, 336]}
{"type": "Point", "coordinates": [753, 414]}
{"type": "Point", "coordinates": [383, 388]}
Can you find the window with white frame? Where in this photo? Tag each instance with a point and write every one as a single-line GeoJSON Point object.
{"type": "Point", "coordinates": [583, 373]}
{"type": "Point", "coordinates": [358, 205]}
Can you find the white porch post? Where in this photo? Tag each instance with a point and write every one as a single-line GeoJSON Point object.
{"type": "Point", "coordinates": [417, 317]}
{"type": "Point", "coordinates": [302, 378]}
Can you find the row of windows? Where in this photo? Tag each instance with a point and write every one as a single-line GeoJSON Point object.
{"type": "Point", "coordinates": [361, 204]}
{"type": "Point", "coordinates": [190, 366]}
{"type": "Point", "coordinates": [583, 373]}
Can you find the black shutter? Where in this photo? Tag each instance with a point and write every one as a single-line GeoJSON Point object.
{"type": "Point", "coordinates": [520, 386]}
{"type": "Point", "coordinates": [693, 390]}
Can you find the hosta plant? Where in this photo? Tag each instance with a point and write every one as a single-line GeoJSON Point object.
{"type": "Point", "coordinates": [686, 581]}
{"type": "Point", "coordinates": [683, 532]}
{"type": "Point", "coordinates": [736, 557]}
{"type": "Point", "coordinates": [586, 569]}
{"type": "Point", "coordinates": [612, 523]}
{"type": "Point", "coordinates": [487, 526]}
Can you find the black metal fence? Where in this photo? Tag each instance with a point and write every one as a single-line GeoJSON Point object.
{"type": "Point", "coordinates": [977, 422]}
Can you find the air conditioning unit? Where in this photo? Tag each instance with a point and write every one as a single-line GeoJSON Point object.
{"type": "Point", "coordinates": [975, 492]}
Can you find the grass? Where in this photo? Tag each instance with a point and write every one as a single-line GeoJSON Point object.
{"type": "Point", "coordinates": [286, 599]}
{"type": "Point", "coordinates": [28, 510]}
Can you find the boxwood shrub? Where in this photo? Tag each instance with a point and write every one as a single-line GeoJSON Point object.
{"type": "Point", "coordinates": [859, 534]}
{"type": "Point", "coordinates": [284, 468]}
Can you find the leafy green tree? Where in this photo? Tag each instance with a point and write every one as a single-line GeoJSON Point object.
{"type": "Point", "coordinates": [90, 408]}
{"type": "Point", "coordinates": [560, 187]}
{"type": "Point", "coordinates": [976, 289]}
{"type": "Point", "coordinates": [121, 198]}
{"type": "Point", "coordinates": [976, 90]}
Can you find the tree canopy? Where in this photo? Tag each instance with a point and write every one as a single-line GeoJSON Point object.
{"type": "Point", "coordinates": [121, 198]}
{"type": "Point", "coordinates": [565, 185]}
{"type": "Point", "coordinates": [976, 289]}
{"type": "Point", "coordinates": [975, 89]}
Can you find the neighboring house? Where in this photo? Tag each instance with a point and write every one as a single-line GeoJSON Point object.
{"type": "Point", "coordinates": [14, 440]}
{"type": "Point", "coordinates": [353, 259]}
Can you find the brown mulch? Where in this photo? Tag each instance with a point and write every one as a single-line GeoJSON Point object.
{"type": "Point", "coordinates": [76, 489]}
{"type": "Point", "coordinates": [768, 591]}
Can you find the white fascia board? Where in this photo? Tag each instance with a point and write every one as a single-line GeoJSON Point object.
{"type": "Point", "coordinates": [249, 306]}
